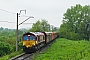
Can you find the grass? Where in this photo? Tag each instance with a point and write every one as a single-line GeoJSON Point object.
{"type": "Point", "coordinates": [64, 49]}
{"type": "Point", "coordinates": [11, 55]}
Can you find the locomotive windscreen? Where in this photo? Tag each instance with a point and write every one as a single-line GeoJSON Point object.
{"type": "Point", "coordinates": [32, 37]}
{"type": "Point", "coordinates": [25, 37]}
{"type": "Point", "coordinates": [29, 36]}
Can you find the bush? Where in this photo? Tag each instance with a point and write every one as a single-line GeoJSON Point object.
{"type": "Point", "coordinates": [13, 54]}
{"type": "Point", "coordinates": [4, 48]}
{"type": "Point", "coordinates": [20, 45]}
{"type": "Point", "coordinates": [74, 36]}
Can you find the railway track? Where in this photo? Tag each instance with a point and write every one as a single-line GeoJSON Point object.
{"type": "Point", "coordinates": [23, 56]}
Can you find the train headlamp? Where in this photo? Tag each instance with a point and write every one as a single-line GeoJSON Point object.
{"type": "Point", "coordinates": [28, 35]}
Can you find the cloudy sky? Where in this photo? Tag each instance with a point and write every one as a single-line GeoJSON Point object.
{"type": "Point", "coordinates": [51, 10]}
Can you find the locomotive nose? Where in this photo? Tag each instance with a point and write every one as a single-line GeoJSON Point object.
{"type": "Point", "coordinates": [29, 46]}
{"type": "Point", "coordinates": [28, 43]}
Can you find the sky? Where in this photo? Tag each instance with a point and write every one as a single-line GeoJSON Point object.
{"type": "Point", "coordinates": [50, 10]}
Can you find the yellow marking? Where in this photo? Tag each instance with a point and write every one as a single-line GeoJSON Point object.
{"type": "Point", "coordinates": [29, 43]}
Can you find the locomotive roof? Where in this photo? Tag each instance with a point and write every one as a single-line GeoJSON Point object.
{"type": "Point", "coordinates": [48, 32]}
{"type": "Point", "coordinates": [34, 33]}
{"type": "Point", "coordinates": [38, 33]}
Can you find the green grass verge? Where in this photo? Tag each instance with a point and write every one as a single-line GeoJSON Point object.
{"type": "Point", "coordinates": [11, 55]}
{"type": "Point", "coordinates": [64, 49]}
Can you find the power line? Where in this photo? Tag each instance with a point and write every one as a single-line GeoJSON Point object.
{"type": "Point", "coordinates": [7, 11]}
{"type": "Point", "coordinates": [28, 23]}
{"type": "Point", "coordinates": [7, 21]}
{"type": "Point", "coordinates": [13, 22]}
{"type": "Point", "coordinates": [13, 13]}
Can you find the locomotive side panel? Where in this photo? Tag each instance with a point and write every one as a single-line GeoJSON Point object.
{"type": "Point", "coordinates": [40, 39]}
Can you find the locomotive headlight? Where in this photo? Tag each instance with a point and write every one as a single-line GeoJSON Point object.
{"type": "Point", "coordinates": [24, 43]}
{"type": "Point", "coordinates": [28, 35]}
{"type": "Point", "coordinates": [36, 42]}
{"type": "Point", "coordinates": [33, 44]}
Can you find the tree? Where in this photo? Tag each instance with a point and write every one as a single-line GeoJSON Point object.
{"type": "Point", "coordinates": [74, 21]}
{"type": "Point", "coordinates": [1, 28]}
{"type": "Point", "coordinates": [4, 48]}
{"type": "Point", "coordinates": [36, 26]}
{"type": "Point", "coordinates": [7, 40]}
{"type": "Point", "coordinates": [45, 25]}
{"type": "Point", "coordinates": [40, 26]}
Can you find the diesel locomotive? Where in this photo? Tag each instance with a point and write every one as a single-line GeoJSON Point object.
{"type": "Point", "coordinates": [32, 41]}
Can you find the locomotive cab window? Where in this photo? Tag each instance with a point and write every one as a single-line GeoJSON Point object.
{"type": "Point", "coordinates": [25, 37]}
{"type": "Point", "coordinates": [32, 37]}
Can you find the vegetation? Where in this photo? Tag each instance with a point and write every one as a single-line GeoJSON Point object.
{"type": "Point", "coordinates": [64, 49]}
{"type": "Point", "coordinates": [8, 39]}
{"type": "Point", "coordinates": [42, 25]}
{"type": "Point", "coordinates": [11, 55]}
{"type": "Point", "coordinates": [76, 23]}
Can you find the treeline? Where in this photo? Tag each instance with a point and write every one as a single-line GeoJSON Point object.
{"type": "Point", "coordinates": [8, 40]}
{"type": "Point", "coordinates": [43, 25]}
{"type": "Point", "coordinates": [76, 23]}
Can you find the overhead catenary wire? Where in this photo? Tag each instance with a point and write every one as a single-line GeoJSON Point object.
{"type": "Point", "coordinates": [13, 22]}
{"type": "Point", "coordinates": [13, 13]}
{"type": "Point", "coordinates": [7, 21]}
{"type": "Point", "coordinates": [7, 11]}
